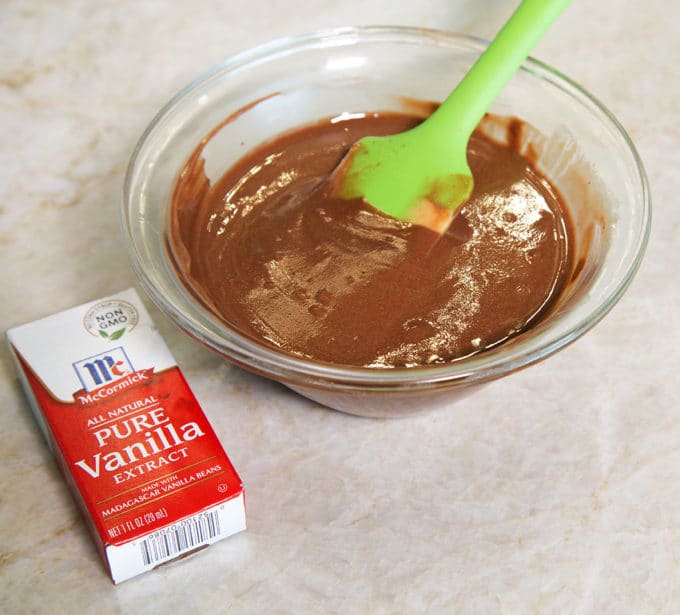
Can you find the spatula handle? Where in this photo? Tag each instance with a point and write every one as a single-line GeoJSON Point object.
{"type": "Point", "coordinates": [468, 103]}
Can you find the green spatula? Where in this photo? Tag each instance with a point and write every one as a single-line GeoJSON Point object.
{"type": "Point", "coordinates": [422, 175]}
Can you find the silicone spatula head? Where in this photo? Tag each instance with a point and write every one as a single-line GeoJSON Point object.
{"type": "Point", "coordinates": [422, 175]}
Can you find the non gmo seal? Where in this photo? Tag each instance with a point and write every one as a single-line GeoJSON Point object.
{"type": "Point", "coordinates": [110, 319]}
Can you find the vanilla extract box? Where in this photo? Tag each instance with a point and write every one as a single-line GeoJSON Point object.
{"type": "Point", "coordinates": [135, 447]}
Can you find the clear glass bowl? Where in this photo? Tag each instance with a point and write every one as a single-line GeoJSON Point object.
{"type": "Point", "coordinates": [580, 146]}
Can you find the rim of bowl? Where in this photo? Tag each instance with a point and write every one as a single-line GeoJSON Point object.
{"type": "Point", "coordinates": [204, 327]}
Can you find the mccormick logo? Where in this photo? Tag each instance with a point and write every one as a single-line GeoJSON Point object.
{"type": "Point", "coordinates": [103, 368]}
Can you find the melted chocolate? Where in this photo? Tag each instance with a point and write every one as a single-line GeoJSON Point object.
{"type": "Point", "coordinates": [276, 256]}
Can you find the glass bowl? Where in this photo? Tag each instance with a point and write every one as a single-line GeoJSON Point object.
{"type": "Point", "coordinates": [579, 145]}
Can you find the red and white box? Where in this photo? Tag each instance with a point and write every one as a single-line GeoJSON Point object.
{"type": "Point", "coordinates": [137, 451]}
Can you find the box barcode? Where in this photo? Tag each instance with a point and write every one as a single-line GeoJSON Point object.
{"type": "Point", "coordinates": [180, 537]}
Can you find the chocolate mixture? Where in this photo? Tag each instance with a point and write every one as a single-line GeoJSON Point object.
{"type": "Point", "coordinates": [273, 253]}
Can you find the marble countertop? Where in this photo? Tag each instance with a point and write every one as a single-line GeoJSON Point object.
{"type": "Point", "coordinates": [555, 490]}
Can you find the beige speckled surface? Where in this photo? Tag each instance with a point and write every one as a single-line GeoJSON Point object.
{"type": "Point", "coordinates": [556, 490]}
